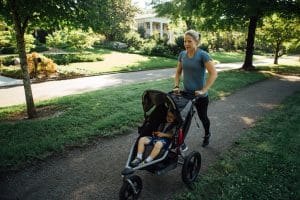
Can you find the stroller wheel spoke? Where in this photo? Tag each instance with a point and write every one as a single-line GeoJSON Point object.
{"type": "Point", "coordinates": [191, 167]}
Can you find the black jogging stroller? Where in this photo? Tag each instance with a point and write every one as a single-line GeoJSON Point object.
{"type": "Point", "coordinates": [155, 106]}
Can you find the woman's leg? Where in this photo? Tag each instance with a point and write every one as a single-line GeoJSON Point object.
{"type": "Point", "coordinates": [201, 106]}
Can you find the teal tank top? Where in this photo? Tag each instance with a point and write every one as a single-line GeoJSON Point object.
{"type": "Point", "coordinates": [194, 71]}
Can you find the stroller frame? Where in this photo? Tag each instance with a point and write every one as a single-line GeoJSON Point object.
{"type": "Point", "coordinates": [167, 159]}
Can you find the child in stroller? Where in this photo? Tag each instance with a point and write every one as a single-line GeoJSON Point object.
{"type": "Point", "coordinates": [160, 139]}
{"type": "Point", "coordinates": [156, 105]}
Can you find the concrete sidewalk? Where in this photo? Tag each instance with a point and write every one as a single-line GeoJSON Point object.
{"type": "Point", "coordinates": [10, 82]}
{"type": "Point", "coordinates": [5, 81]}
{"type": "Point", "coordinates": [51, 89]}
{"type": "Point", "coordinates": [14, 94]}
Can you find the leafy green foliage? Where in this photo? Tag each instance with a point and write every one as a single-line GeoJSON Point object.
{"type": "Point", "coordinates": [277, 31]}
{"type": "Point", "coordinates": [13, 72]}
{"type": "Point", "coordinates": [23, 16]}
{"type": "Point", "coordinates": [133, 39]}
{"type": "Point", "coordinates": [72, 39]}
{"type": "Point", "coordinates": [111, 18]}
{"type": "Point", "coordinates": [178, 9]}
{"type": "Point", "coordinates": [64, 59]}
{"type": "Point", "coordinates": [8, 43]}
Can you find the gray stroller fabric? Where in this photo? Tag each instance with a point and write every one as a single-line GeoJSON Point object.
{"type": "Point", "coordinates": [185, 111]}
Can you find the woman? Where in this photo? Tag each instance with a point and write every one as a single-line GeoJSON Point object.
{"type": "Point", "coordinates": [194, 62]}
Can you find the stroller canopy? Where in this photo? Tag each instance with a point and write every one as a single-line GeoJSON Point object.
{"type": "Point", "coordinates": [179, 105]}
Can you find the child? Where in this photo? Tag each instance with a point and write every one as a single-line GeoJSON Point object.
{"type": "Point", "coordinates": [159, 139]}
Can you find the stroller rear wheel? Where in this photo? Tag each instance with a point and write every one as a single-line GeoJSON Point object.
{"type": "Point", "coordinates": [131, 188]}
{"type": "Point", "coordinates": [191, 167]}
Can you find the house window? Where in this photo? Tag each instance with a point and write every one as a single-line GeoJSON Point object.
{"type": "Point", "coordinates": [140, 25]}
{"type": "Point", "coordinates": [157, 26]}
{"type": "Point", "coordinates": [148, 25]}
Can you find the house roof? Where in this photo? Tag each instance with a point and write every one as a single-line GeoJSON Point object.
{"type": "Point", "coordinates": [151, 17]}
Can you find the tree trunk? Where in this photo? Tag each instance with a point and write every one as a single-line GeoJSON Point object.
{"type": "Point", "coordinates": [250, 44]}
{"type": "Point", "coordinates": [31, 111]}
{"type": "Point", "coordinates": [276, 54]}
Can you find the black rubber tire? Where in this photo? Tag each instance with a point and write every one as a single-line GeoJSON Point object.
{"type": "Point", "coordinates": [191, 167]}
{"type": "Point", "coordinates": [127, 192]}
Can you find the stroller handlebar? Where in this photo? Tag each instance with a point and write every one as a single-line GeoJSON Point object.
{"type": "Point", "coordinates": [197, 98]}
{"type": "Point", "coordinates": [181, 92]}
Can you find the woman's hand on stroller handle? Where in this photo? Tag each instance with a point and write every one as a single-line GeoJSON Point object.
{"type": "Point", "coordinates": [176, 90]}
{"type": "Point", "coordinates": [200, 93]}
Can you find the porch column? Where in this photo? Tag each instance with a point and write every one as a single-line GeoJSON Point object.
{"type": "Point", "coordinates": [161, 30]}
{"type": "Point", "coordinates": [151, 28]}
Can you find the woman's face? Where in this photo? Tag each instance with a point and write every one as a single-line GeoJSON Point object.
{"type": "Point", "coordinates": [190, 43]}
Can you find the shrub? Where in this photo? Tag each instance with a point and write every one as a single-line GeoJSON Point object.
{"type": "Point", "coordinates": [8, 60]}
{"type": "Point", "coordinates": [147, 47]}
{"type": "Point", "coordinates": [13, 72]}
{"type": "Point", "coordinates": [8, 50]}
{"type": "Point", "coordinates": [64, 59]}
{"type": "Point", "coordinates": [133, 39]}
{"type": "Point", "coordinates": [160, 50]}
{"type": "Point", "coordinates": [142, 31]}
{"type": "Point", "coordinates": [174, 49]}
{"type": "Point", "coordinates": [72, 39]}
{"type": "Point", "coordinates": [179, 41]}
{"type": "Point", "coordinates": [204, 47]}
{"type": "Point", "coordinates": [8, 42]}
{"type": "Point", "coordinates": [40, 65]}
{"type": "Point", "coordinates": [39, 48]}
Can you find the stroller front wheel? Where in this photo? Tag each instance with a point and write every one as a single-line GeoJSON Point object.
{"type": "Point", "coordinates": [191, 167]}
{"type": "Point", "coordinates": [131, 188]}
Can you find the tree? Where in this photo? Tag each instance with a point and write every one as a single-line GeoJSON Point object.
{"type": "Point", "coordinates": [176, 10]}
{"type": "Point", "coordinates": [277, 30]}
{"type": "Point", "coordinates": [251, 11]}
{"type": "Point", "coordinates": [112, 18]}
{"type": "Point", "coordinates": [234, 14]}
{"type": "Point", "coordinates": [22, 15]}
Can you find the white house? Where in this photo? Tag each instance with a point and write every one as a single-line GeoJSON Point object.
{"type": "Point", "coordinates": [154, 25]}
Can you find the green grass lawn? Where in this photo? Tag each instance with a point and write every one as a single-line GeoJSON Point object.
{"type": "Point", "coordinates": [147, 63]}
{"type": "Point", "coordinates": [151, 63]}
{"type": "Point", "coordinates": [285, 69]}
{"type": "Point", "coordinates": [264, 164]}
{"type": "Point", "coordinates": [228, 57]}
{"type": "Point", "coordinates": [107, 112]}
{"type": "Point", "coordinates": [96, 68]}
